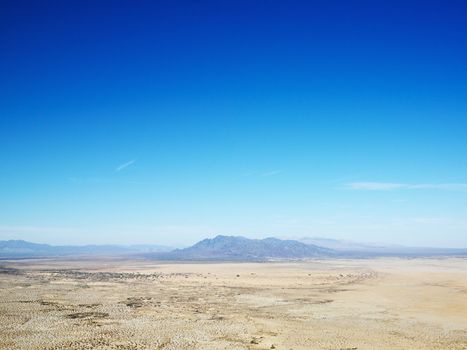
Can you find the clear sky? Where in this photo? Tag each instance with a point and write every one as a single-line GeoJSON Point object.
{"type": "Point", "coordinates": [171, 121]}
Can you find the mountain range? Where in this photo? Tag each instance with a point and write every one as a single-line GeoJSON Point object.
{"type": "Point", "coordinates": [241, 248]}
{"type": "Point", "coordinates": [233, 248]}
{"type": "Point", "coordinates": [356, 249]}
{"type": "Point", "coordinates": [24, 249]}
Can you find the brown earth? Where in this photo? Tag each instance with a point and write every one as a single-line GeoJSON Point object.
{"type": "Point", "coordinates": [326, 304]}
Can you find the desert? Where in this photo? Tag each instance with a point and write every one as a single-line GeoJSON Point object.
{"type": "Point", "coordinates": [233, 175]}
{"type": "Point", "coordinates": [342, 304]}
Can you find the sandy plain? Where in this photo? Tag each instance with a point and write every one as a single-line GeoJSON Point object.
{"type": "Point", "coordinates": [319, 304]}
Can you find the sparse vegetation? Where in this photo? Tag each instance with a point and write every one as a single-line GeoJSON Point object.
{"type": "Point", "coordinates": [56, 305]}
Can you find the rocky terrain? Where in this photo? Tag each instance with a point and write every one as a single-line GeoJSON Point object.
{"type": "Point", "coordinates": [241, 248]}
{"type": "Point", "coordinates": [321, 304]}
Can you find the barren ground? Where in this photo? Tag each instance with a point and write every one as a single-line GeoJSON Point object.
{"type": "Point", "coordinates": [327, 304]}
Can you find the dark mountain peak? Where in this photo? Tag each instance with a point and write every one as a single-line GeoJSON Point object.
{"type": "Point", "coordinates": [220, 240]}
{"type": "Point", "coordinates": [240, 248]}
{"type": "Point", "coordinates": [224, 238]}
{"type": "Point", "coordinates": [21, 244]}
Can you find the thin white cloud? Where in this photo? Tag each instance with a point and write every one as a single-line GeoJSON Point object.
{"type": "Point", "coordinates": [271, 173]}
{"type": "Point", "coordinates": [389, 186]}
{"type": "Point", "coordinates": [125, 165]}
{"type": "Point", "coordinates": [446, 186]}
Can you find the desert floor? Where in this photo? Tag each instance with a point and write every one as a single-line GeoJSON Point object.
{"type": "Point", "coordinates": [319, 304]}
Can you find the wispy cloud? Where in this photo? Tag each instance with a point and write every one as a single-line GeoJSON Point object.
{"type": "Point", "coordinates": [124, 165]}
{"type": "Point", "coordinates": [390, 186]}
{"type": "Point", "coordinates": [271, 173]}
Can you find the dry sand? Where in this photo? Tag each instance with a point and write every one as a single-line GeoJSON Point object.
{"type": "Point", "coordinates": [327, 304]}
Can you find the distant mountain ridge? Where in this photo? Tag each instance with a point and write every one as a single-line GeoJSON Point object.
{"type": "Point", "coordinates": [344, 245]}
{"type": "Point", "coordinates": [241, 248]}
{"type": "Point", "coordinates": [25, 249]}
{"type": "Point", "coordinates": [357, 249]}
{"type": "Point", "coordinates": [234, 248]}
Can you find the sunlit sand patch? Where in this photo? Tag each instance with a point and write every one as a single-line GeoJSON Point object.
{"type": "Point", "coordinates": [340, 304]}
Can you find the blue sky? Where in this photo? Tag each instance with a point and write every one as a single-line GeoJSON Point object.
{"type": "Point", "coordinates": [170, 121]}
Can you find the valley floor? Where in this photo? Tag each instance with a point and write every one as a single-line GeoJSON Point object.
{"type": "Point", "coordinates": [325, 304]}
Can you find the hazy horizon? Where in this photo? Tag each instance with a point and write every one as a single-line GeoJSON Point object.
{"type": "Point", "coordinates": [189, 243]}
{"type": "Point", "coordinates": [166, 123]}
